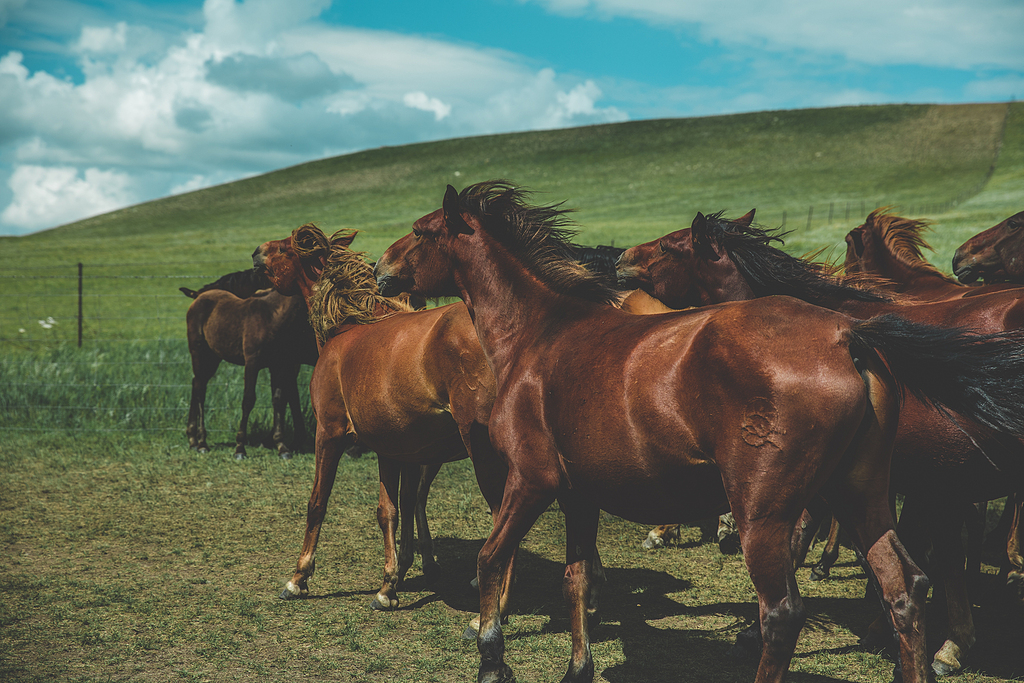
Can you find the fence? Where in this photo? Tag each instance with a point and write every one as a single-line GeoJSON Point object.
{"type": "Point", "coordinates": [102, 347]}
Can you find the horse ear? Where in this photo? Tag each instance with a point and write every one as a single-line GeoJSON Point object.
{"type": "Point", "coordinates": [452, 213]}
{"type": "Point", "coordinates": [345, 240]}
{"type": "Point", "coordinates": [746, 219]}
{"type": "Point", "coordinates": [702, 241]}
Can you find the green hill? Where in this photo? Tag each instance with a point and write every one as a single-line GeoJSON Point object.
{"type": "Point", "coordinates": [960, 165]}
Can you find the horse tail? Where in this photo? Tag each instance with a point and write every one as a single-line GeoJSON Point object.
{"type": "Point", "coordinates": [190, 293]}
{"type": "Point", "coordinates": [978, 376]}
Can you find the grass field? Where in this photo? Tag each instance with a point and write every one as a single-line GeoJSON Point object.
{"type": "Point", "coordinates": [129, 557]}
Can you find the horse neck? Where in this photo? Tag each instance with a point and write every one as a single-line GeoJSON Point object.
{"type": "Point", "coordinates": [721, 281]}
{"type": "Point", "coordinates": [508, 304]}
{"type": "Point", "coordinates": [919, 283]}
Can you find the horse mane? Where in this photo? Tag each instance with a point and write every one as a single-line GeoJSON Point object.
{"type": "Point", "coordinates": [771, 271]}
{"type": "Point", "coordinates": [346, 292]}
{"type": "Point", "coordinates": [539, 236]}
{"type": "Point", "coordinates": [903, 238]}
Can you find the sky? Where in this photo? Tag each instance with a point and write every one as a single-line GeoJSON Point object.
{"type": "Point", "coordinates": [109, 103]}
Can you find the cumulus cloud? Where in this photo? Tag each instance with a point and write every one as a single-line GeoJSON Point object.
{"type": "Point", "coordinates": [420, 100]}
{"type": "Point", "coordinates": [262, 85]}
{"type": "Point", "coordinates": [45, 196]}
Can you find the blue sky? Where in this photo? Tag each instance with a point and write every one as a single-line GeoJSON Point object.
{"type": "Point", "coordinates": [108, 103]}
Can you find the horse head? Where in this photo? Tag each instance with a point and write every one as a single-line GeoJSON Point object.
{"type": "Point", "coordinates": [295, 263]}
{"type": "Point", "coordinates": [688, 267]}
{"type": "Point", "coordinates": [994, 255]}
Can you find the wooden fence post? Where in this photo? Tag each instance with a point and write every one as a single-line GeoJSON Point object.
{"type": "Point", "coordinates": [79, 305]}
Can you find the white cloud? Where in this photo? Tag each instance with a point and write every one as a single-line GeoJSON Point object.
{"type": "Point", "coordinates": [420, 100]}
{"type": "Point", "coordinates": [935, 33]}
{"type": "Point", "coordinates": [104, 38]}
{"type": "Point", "coordinates": [48, 196]}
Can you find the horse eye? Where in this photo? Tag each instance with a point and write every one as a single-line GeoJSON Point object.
{"type": "Point", "coordinates": [661, 246]}
{"type": "Point", "coordinates": [417, 233]}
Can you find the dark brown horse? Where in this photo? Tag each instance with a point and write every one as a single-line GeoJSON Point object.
{"type": "Point", "coordinates": [759, 405]}
{"type": "Point", "coordinates": [269, 331]}
{"type": "Point", "coordinates": [942, 461]}
{"type": "Point", "coordinates": [995, 255]}
{"type": "Point", "coordinates": [412, 386]}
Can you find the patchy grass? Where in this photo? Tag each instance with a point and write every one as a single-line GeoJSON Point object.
{"type": "Point", "coordinates": [137, 559]}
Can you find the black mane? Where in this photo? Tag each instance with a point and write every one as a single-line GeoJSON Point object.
{"type": "Point", "coordinates": [770, 271]}
{"type": "Point", "coordinates": [540, 236]}
{"type": "Point", "coordinates": [241, 283]}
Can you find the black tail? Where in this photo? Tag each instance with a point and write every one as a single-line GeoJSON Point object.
{"type": "Point", "coordinates": [979, 376]}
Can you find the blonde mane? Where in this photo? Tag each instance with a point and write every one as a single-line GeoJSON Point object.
{"type": "Point", "coordinates": [346, 292]}
{"type": "Point", "coordinates": [903, 238]}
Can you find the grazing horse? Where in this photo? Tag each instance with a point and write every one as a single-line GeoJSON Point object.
{"type": "Point", "coordinates": [256, 332]}
{"type": "Point", "coordinates": [995, 255]}
{"type": "Point", "coordinates": [759, 405]}
{"type": "Point", "coordinates": [942, 461]}
{"type": "Point", "coordinates": [413, 386]}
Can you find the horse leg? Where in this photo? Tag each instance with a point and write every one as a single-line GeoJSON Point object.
{"type": "Point", "coordinates": [522, 504]}
{"type": "Point", "coordinates": [204, 365]}
{"type": "Point", "coordinates": [949, 562]}
{"type": "Point", "coordinates": [581, 521]}
{"type": "Point", "coordinates": [829, 554]}
{"type": "Point", "coordinates": [431, 569]}
{"type": "Point", "coordinates": [328, 454]}
{"type": "Point", "coordinates": [248, 402]}
{"type": "Point", "coordinates": [976, 516]}
{"type": "Point", "coordinates": [387, 518]}
{"type": "Point", "coordinates": [277, 403]}
{"type": "Point", "coordinates": [1014, 571]}
{"type": "Point", "coordinates": [290, 386]}
{"type": "Point", "coordinates": [810, 521]}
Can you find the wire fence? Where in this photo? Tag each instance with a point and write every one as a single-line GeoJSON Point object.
{"type": "Point", "coordinates": [103, 348]}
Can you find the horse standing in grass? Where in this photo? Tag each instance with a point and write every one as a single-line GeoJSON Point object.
{"type": "Point", "coordinates": [942, 461]}
{"type": "Point", "coordinates": [269, 331]}
{"type": "Point", "coordinates": [412, 386]}
{"type": "Point", "coordinates": [758, 405]}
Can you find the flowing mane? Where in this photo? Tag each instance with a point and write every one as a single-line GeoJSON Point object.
{"type": "Point", "coordinates": [347, 290]}
{"type": "Point", "coordinates": [539, 236]}
{"type": "Point", "coordinates": [771, 271]}
{"type": "Point", "coordinates": [903, 239]}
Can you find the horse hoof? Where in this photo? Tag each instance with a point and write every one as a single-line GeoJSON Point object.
{"type": "Point", "coordinates": [475, 584]}
{"type": "Point", "coordinates": [288, 595]}
{"type": "Point", "coordinates": [730, 545]}
{"type": "Point", "coordinates": [469, 633]}
{"type": "Point", "coordinates": [819, 574]}
{"type": "Point", "coordinates": [286, 455]}
{"type": "Point", "coordinates": [500, 675]}
{"type": "Point", "coordinates": [378, 606]}
{"type": "Point", "coordinates": [653, 542]}
{"type": "Point", "coordinates": [293, 592]}
{"type": "Point", "coordinates": [943, 669]}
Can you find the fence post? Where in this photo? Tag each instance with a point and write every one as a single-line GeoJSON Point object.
{"type": "Point", "coordinates": [79, 305]}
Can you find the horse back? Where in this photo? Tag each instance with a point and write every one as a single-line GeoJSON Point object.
{"type": "Point", "coordinates": [395, 379]}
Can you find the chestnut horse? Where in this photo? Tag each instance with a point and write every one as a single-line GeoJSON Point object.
{"type": "Point", "coordinates": [758, 405]}
{"type": "Point", "coordinates": [995, 255]}
{"type": "Point", "coordinates": [891, 246]}
{"type": "Point", "coordinates": [269, 331]}
{"type": "Point", "coordinates": [942, 461]}
{"type": "Point", "coordinates": [412, 386]}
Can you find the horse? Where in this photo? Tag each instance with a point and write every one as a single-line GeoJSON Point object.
{"type": "Point", "coordinates": [241, 283]}
{"type": "Point", "coordinates": [993, 255]}
{"type": "Point", "coordinates": [412, 386]}
{"type": "Point", "coordinates": [942, 461]}
{"type": "Point", "coordinates": [757, 405]}
{"type": "Point", "coordinates": [890, 247]}
{"type": "Point", "coordinates": [269, 331]}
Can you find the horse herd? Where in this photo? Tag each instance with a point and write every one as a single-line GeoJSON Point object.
{"type": "Point", "coordinates": [722, 375]}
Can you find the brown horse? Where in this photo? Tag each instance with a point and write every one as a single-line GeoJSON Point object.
{"type": "Point", "coordinates": [758, 405]}
{"type": "Point", "coordinates": [891, 247]}
{"type": "Point", "coordinates": [942, 462]}
{"type": "Point", "coordinates": [269, 331]}
{"type": "Point", "coordinates": [412, 386]}
{"type": "Point", "coordinates": [994, 255]}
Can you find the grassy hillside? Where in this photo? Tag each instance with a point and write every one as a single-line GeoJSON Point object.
{"type": "Point", "coordinates": [630, 181]}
